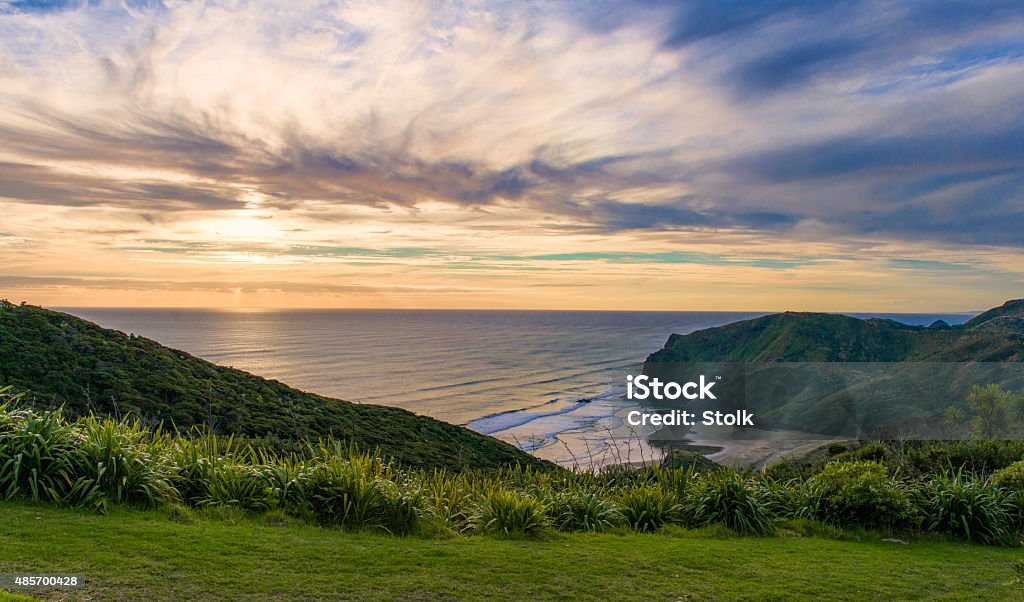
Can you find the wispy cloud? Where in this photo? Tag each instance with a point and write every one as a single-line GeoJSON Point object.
{"type": "Point", "coordinates": [286, 132]}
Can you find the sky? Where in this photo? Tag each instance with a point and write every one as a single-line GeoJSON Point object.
{"type": "Point", "coordinates": [719, 155]}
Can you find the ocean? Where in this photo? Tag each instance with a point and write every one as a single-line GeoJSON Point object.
{"type": "Point", "coordinates": [551, 382]}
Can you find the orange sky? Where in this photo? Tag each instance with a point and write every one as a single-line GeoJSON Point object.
{"type": "Point", "coordinates": [508, 156]}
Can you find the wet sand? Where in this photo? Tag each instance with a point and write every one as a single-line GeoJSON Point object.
{"type": "Point", "coordinates": [753, 447]}
{"type": "Point", "coordinates": [588, 449]}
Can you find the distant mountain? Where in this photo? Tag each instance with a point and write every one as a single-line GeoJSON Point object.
{"type": "Point", "coordinates": [835, 374]}
{"type": "Point", "coordinates": [61, 359]}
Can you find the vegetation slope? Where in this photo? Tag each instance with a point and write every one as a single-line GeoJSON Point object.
{"type": "Point", "coordinates": [996, 335]}
{"type": "Point", "coordinates": [61, 359]}
{"type": "Point", "coordinates": [841, 375]}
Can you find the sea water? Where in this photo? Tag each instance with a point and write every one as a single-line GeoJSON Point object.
{"type": "Point", "coordinates": [551, 382]}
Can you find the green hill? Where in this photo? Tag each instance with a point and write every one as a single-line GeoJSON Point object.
{"type": "Point", "coordinates": [994, 336]}
{"type": "Point", "coordinates": [60, 359]}
{"type": "Point", "coordinates": [840, 375]}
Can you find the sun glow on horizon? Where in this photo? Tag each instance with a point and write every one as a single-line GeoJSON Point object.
{"type": "Point", "coordinates": [494, 155]}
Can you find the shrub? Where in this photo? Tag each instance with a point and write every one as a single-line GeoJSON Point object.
{"type": "Point", "coordinates": [687, 460]}
{"type": "Point", "coordinates": [287, 479]}
{"type": "Point", "coordinates": [505, 512]}
{"type": "Point", "coordinates": [405, 506]}
{"type": "Point", "coordinates": [451, 499]}
{"type": "Point", "coordinates": [120, 462]}
{"type": "Point", "coordinates": [35, 450]}
{"type": "Point", "coordinates": [856, 493]}
{"type": "Point", "coordinates": [580, 510]}
{"type": "Point", "coordinates": [836, 448]}
{"type": "Point", "coordinates": [239, 484]}
{"type": "Point", "coordinates": [786, 470]}
{"type": "Point", "coordinates": [677, 480]}
{"type": "Point", "coordinates": [1010, 478]}
{"type": "Point", "coordinates": [874, 451]}
{"type": "Point", "coordinates": [345, 493]}
{"type": "Point", "coordinates": [194, 460]}
{"type": "Point", "coordinates": [966, 507]}
{"type": "Point", "coordinates": [648, 507]}
{"type": "Point", "coordinates": [781, 497]}
{"type": "Point", "coordinates": [974, 456]}
{"type": "Point", "coordinates": [103, 462]}
{"type": "Point", "coordinates": [730, 498]}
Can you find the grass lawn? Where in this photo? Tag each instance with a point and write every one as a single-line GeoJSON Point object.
{"type": "Point", "coordinates": [135, 555]}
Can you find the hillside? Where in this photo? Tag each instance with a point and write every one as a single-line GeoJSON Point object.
{"type": "Point", "coordinates": [994, 336]}
{"type": "Point", "coordinates": [60, 359]}
{"type": "Point", "coordinates": [839, 375]}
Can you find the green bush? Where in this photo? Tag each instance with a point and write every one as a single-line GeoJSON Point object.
{"type": "Point", "coordinates": [286, 478]}
{"type": "Point", "coordinates": [450, 499]}
{"type": "Point", "coordinates": [238, 483]}
{"type": "Point", "coordinates": [973, 456]}
{"type": "Point", "coordinates": [875, 451]}
{"type": "Point", "coordinates": [195, 459]}
{"type": "Point", "coordinates": [120, 463]}
{"type": "Point", "coordinates": [836, 448]}
{"type": "Point", "coordinates": [103, 463]}
{"type": "Point", "coordinates": [782, 497]}
{"type": "Point", "coordinates": [405, 506]}
{"type": "Point", "coordinates": [1010, 478]}
{"type": "Point", "coordinates": [346, 492]}
{"type": "Point", "coordinates": [731, 499]}
{"type": "Point", "coordinates": [787, 470]}
{"type": "Point", "coordinates": [678, 480]}
{"type": "Point", "coordinates": [856, 493]}
{"type": "Point", "coordinates": [966, 507]}
{"type": "Point", "coordinates": [35, 453]}
{"type": "Point", "coordinates": [648, 507]}
{"type": "Point", "coordinates": [579, 510]}
{"type": "Point", "coordinates": [505, 512]}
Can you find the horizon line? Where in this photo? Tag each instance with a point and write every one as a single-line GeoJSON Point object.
{"type": "Point", "coordinates": [504, 309]}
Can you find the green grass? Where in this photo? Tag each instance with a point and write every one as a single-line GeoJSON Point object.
{"type": "Point", "coordinates": [131, 555]}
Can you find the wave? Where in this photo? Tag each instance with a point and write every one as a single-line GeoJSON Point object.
{"type": "Point", "coordinates": [514, 419]}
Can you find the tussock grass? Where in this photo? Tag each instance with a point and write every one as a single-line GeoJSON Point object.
{"type": "Point", "coordinates": [100, 463]}
{"type": "Point", "coordinates": [967, 508]}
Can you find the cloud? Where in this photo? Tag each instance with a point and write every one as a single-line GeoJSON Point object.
{"type": "Point", "coordinates": [608, 128]}
{"type": "Point", "coordinates": [241, 287]}
{"type": "Point", "coordinates": [43, 185]}
{"type": "Point", "coordinates": [781, 44]}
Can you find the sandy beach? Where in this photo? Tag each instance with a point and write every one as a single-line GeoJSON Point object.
{"type": "Point", "coordinates": [754, 447]}
{"type": "Point", "coordinates": [610, 442]}
{"type": "Point", "coordinates": [619, 444]}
